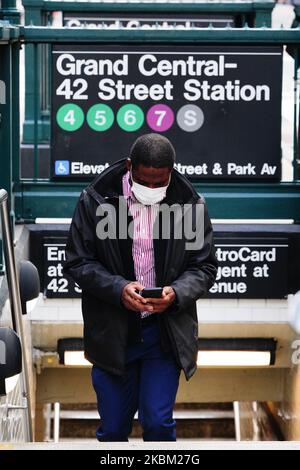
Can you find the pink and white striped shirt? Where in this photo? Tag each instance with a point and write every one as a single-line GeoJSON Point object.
{"type": "Point", "coordinates": [142, 243]}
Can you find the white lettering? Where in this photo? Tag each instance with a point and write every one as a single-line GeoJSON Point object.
{"type": "Point", "coordinates": [246, 254]}
{"type": "Point", "coordinates": [67, 65]}
{"type": "Point", "coordinates": [248, 169]}
{"type": "Point", "coordinates": [78, 168]}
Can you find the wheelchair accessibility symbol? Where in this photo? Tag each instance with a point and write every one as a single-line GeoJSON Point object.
{"type": "Point", "coordinates": [62, 167]}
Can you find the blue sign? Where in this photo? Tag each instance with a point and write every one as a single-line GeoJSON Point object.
{"type": "Point", "coordinates": [62, 167]}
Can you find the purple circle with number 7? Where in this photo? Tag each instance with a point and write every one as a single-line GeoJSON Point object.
{"type": "Point", "coordinates": [160, 117]}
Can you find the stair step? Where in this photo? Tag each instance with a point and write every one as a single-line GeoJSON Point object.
{"type": "Point", "coordinates": [178, 414]}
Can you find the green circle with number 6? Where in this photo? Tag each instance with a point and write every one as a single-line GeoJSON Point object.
{"type": "Point", "coordinates": [70, 117]}
{"type": "Point", "coordinates": [100, 117]}
{"type": "Point", "coordinates": [130, 117]}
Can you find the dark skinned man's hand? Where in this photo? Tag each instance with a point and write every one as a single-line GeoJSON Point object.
{"type": "Point", "coordinates": [132, 300]}
{"type": "Point", "coordinates": [161, 304]}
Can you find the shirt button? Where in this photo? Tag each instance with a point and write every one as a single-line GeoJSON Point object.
{"type": "Point", "coordinates": [143, 254]}
{"type": "Point", "coordinates": [142, 277]}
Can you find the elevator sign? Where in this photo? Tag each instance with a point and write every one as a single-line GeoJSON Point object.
{"type": "Point", "coordinates": [219, 106]}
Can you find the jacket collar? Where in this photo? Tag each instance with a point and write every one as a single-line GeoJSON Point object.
{"type": "Point", "coordinates": [109, 185]}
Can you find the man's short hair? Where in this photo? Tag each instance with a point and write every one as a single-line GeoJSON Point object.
{"type": "Point", "coordinates": [152, 150]}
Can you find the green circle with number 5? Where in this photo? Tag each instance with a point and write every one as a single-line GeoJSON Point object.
{"type": "Point", "coordinates": [70, 117]}
{"type": "Point", "coordinates": [100, 117]}
{"type": "Point", "coordinates": [130, 117]}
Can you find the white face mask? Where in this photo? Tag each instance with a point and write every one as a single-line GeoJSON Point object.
{"type": "Point", "coordinates": [148, 196]}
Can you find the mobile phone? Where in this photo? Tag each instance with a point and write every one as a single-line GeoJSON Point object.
{"type": "Point", "coordinates": [151, 292]}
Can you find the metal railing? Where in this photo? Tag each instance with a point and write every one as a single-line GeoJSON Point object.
{"type": "Point", "coordinates": [16, 313]}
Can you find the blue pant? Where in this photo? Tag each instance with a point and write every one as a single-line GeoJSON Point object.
{"type": "Point", "coordinates": [149, 386]}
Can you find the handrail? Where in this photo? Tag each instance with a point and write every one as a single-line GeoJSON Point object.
{"type": "Point", "coordinates": [15, 305]}
{"type": "Point", "coordinates": [3, 195]}
{"type": "Point", "coordinates": [210, 35]}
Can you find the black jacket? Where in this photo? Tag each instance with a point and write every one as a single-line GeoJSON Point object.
{"type": "Point", "coordinates": [102, 267]}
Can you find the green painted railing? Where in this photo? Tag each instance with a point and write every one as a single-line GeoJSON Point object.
{"type": "Point", "coordinates": [42, 198]}
{"type": "Point", "coordinates": [259, 11]}
{"type": "Point", "coordinates": [225, 201]}
{"type": "Point", "coordinates": [210, 35]}
{"type": "Point", "coordinates": [9, 87]}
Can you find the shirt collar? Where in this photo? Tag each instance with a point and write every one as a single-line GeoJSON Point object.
{"type": "Point", "coordinates": [127, 191]}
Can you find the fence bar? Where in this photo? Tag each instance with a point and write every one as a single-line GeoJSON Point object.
{"type": "Point", "coordinates": [118, 6]}
{"type": "Point", "coordinates": [35, 111]}
{"type": "Point", "coordinates": [39, 34]}
{"type": "Point", "coordinates": [237, 420]}
{"type": "Point", "coordinates": [56, 424]}
{"type": "Point", "coordinates": [295, 137]}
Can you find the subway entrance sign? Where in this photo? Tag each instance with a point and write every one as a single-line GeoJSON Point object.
{"type": "Point", "coordinates": [55, 282]}
{"type": "Point", "coordinates": [255, 262]}
{"type": "Point", "coordinates": [219, 106]}
{"type": "Point", "coordinates": [251, 267]}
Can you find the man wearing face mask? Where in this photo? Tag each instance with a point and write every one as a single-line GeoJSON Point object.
{"type": "Point", "coordinates": [138, 346]}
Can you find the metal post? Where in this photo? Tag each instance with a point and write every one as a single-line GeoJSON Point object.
{"type": "Point", "coordinates": [296, 116]}
{"type": "Point", "coordinates": [6, 118]}
{"type": "Point", "coordinates": [56, 421]}
{"type": "Point", "coordinates": [35, 111]}
{"type": "Point", "coordinates": [255, 423]}
{"type": "Point", "coordinates": [263, 15]}
{"type": "Point", "coordinates": [237, 422]}
{"type": "Point", "coordinates": [15, 60]}
{"type": "Point", "coordinates": [47, 416]}
{"type": "Point", "coordinates": [10, 12]}
{"type": "Point", "coordinates": [6, 139]}
{"type": "Point", "coordinates": [9, 117]}
{"type": "Point", "coordinates": [15, 305]}
{"type": "Point", "coordinates": [34, 16]}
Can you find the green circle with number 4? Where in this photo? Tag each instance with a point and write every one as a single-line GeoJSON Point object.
{"type": "Point", "coordinates": [130, 117]}
{"type": "Point", "coordinates": [70, 117]}
{"type": "Point", "coordinates": [100, 117]}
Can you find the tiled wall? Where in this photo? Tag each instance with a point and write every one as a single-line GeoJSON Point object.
{"type": "Point", "coordinates": [57, 310]}
{"type": "Point", "coordinates": [242, 310]}
{"type": "Point", "coordinates": [209, 311]}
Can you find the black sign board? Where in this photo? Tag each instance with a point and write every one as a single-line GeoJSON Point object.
{"type": "Point", "coordinates": [219, 106]}
{"type": "Point", "coordinates": [131, 20]}
{"type": "Point", "coordinates": [251, 268]}
{"type": "Point", "coordinates": [56, 283]}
